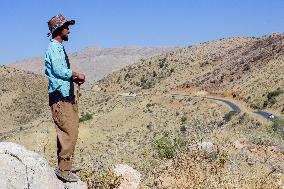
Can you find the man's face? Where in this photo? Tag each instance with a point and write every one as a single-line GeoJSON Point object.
{"type": "Point", "coordinates": [64, 33]}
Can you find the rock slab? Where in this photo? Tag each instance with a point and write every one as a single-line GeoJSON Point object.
{"type": "Point", "coordinates": [21, 168]}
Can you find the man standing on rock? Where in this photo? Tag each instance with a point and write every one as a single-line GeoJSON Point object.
{"type": "Point", "coordinates": [61, 96]}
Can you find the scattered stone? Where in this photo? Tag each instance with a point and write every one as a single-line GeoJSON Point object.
{"type": "Point", "coordinates": [131, 177]}
{"type": "Point", "coordinates": [238, 145]}
{"type": "Point", "coordinates": [201, 146]}
{"type": "Point", "coordinates": [279, 148]}
{"type": "Point", "coordinates": [151, 126]}
{"type": "Point", "coordinates": [96, 88]}
{"type": "Point", "coordinates": [130, 94]}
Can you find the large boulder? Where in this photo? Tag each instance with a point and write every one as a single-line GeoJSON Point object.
{"type": "Point", "coordinates": [21, 168]}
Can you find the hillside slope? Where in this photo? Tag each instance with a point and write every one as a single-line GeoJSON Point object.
{"type": "Point", "coordinates": [23, 95]}
{"type": "Point", "coordinates": [174, 68]}
{"type": "Point", "coordinates": [250, 74]}
{"type": "Point", "coordinates": [23, 98]}
{"type": "Point", "coordinates": [175, 141]}
{"type": "Point", "coordinates": [245, 68]}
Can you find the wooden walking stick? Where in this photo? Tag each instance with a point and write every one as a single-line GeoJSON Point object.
{"type": "Point", "coordinates": [78, 96]}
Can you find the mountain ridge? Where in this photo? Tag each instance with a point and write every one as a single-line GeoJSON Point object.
{"type": "Point", "coordinates": [96, 62]}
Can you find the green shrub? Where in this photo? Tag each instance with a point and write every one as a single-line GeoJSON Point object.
{"type": "Point", "coordinates": [148, 105]}
{"type": "Point", "coordinates": [183, 119]}
{"type": "Point", "coordinates": [85, 117]}
{"type": "Point", "coordinates": [271, 97]}
{"type": "Point", "coordinates": [273, 94]}
{"type": "Point", "coordinates": [203, 64]}
{"type": "Point", "coordinates": [277, 128]}
{"type": "Point", "coordinates": [223, 157]}
{"type": "Point", "coordinates": [262, 139]}
{"type": "Point", "coordinates": [167, 148]}
{"type": "Point", "coordinates": [127, 75]}
{"type": "Point", "coordinates": [143, 80]}
{"type": "Point", "coordinates": [162, 63]}
{"type": "Point", "coordinates": [145, 83]}
{"type": "Point", "coordinates": [104, 180]}
{"type": "Point", "coordinates": [228, 116]}
{"type": "Point", "coordinates": [256, 105]}
{"type": "Point", "coordinates": [183, 128]}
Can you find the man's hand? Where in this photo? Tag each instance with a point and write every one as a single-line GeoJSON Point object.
{"type": "Point", "coordinates": [78, 78]}
{"type": "Point", "coordinates": [81, 79]}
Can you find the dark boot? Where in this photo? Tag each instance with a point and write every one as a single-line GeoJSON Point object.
{"type": "Point", "coordinates": [75, 169]}
{"type": "Point", "coordinates": [66, 176]}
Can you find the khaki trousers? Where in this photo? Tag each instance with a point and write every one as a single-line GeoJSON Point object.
{"type": "Point", "coordinates": [66, 119]}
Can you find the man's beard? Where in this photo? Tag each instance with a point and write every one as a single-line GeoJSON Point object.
{"type": "Point", "coordinates": [65, 38]}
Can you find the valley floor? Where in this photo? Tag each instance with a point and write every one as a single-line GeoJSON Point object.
{"type": "Point", "coordinates": [150, 132]}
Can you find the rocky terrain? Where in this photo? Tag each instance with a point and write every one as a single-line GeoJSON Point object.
{"type": "Point", "coordinates": [21, 168]}
{"type": "Point", "coordinates": [96, 62]}
{"type": "Point", "coordinates": [174, 141]}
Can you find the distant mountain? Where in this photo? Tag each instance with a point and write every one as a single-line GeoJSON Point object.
{"type": "Point", "coordinates": [96, 62]}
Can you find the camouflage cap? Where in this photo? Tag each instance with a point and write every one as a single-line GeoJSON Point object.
{"type": "Point", "coordinates": [56, 22]}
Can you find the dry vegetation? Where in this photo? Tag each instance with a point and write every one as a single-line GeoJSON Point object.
{"type": "Point", "coordinates": [22, 99]}
{"type": "Point", "coordinates": [175, 141]}
{"type": "Point", "coordinates": [247, 69]}
{"type": "Point", "coordinates": [235, 160]}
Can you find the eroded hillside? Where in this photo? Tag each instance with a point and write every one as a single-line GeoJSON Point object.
{"type": "Point", "coordinates": [248, 69]}
{"type": "Point", "coordinates": [250, 74]}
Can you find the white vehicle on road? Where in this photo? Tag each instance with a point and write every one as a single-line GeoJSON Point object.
{"type": "Point", "coordinates": [271, 116]}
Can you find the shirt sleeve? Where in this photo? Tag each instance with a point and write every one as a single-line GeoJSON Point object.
{"type": "Point", "coordinates": [58, 63]}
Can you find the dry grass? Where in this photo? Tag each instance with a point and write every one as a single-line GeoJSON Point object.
{"type": "Point", "coordinates": [213, 170]}
{"type": "Point", "coordinates": [228, 164]}
{"type": "Point", "coordinates": [100, 179]}
{"type": "Point", "coordinates": [246, 152]}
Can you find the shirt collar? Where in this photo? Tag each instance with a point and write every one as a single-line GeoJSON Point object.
{"type": "Point", "coordinates": [56, 42]}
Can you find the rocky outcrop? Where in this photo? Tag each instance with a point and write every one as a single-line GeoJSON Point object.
{"type": "Point", "coordinates": [21, 168]}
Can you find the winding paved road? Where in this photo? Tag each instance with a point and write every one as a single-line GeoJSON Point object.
{"type": "Point", "coordinates": [234, 106]}
{"type": "Point", "coordinates": [267, 115]}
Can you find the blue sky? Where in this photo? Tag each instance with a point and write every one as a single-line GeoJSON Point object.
{"type": "Point", "coordinates": [112, 23]}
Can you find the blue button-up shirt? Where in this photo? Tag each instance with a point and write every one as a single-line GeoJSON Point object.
{"type": "Point", "coordinates": [56, 69]}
